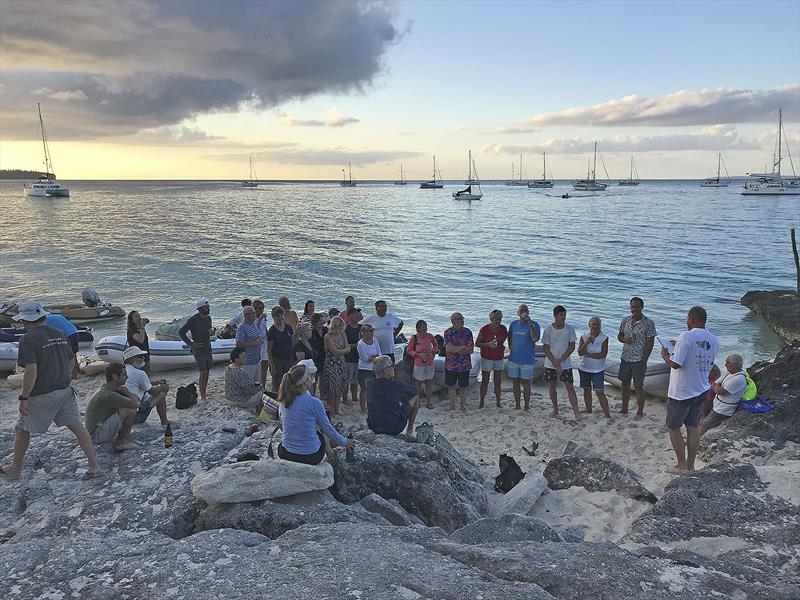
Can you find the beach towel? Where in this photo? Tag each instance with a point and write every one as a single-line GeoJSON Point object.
{"type": "Point", "coordinates": [757, 405]}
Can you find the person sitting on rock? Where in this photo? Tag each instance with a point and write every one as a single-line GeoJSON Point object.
{"type": "Point", "coordinates": [151, 394]}
{"type": "Point", "coordinates": [728, 391]}
{"type": "Point", "coordinates": [111, 410]}
{"type": "Point", "coordinates": [240, 389]}
{"type": "Point", "coordinates": [302, 416]}
{"type": "Point", "coordinates": [391, 405]}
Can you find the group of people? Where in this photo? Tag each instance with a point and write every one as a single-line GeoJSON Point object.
{"type": "Point", "coordinates": [348, 357]}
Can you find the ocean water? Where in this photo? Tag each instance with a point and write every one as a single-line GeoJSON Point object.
{"type": "Point", "coordinates": [157, 246]}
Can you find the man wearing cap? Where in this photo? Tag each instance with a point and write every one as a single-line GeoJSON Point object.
{"type": "Point", "coordinates": [46, 396]}
{"type": "Point", "coordinates": [150, 396]}
{"type": "Point", "coordinates": [199, 325]}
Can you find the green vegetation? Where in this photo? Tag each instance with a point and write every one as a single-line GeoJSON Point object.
{"type": "Point", "coordinates": [21, 174]}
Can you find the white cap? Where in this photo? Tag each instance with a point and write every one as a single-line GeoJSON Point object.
{"type": "Point", "coordinates": [131, 352]}
{"type": "Point", "coordinates": [30, 311]}
{"type": "Point", "coordinates": [202, 302]}
{"type": "Point", "coordinates": [311, 370]}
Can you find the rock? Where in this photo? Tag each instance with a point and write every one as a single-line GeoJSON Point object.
{"type": "Point", "coordinates": [391, 510]}
{"type": "Point", "coordinates": [260, 480]}
{"type": "Point", "coordinates": [779, 308]}
{"type": "Point", "coordinates": [719, 500]}
{"type": "Point", "coordinates": [506, 528]}
{"type": "Point", "coordinates": [575, 448]}
{"type": "Point", "coordinates": [571, 533]}
{"type": "Point", "coordinates": [523, 496]}
{"type": "Point", "coordinates": [596, 475]}
{"type": "Point", "coordinates": [433, 483]}
{"type": "Point", "coordinates": [784, 369]}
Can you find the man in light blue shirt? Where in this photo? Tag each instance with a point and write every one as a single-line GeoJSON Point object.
{"type": "Point", "coordinates": [522, 337]}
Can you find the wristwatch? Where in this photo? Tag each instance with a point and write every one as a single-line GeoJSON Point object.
{"type": "Point", "coordinates": [22, 398]}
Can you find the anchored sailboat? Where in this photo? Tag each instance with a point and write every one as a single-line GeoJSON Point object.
{"type": "Point", "coordinates": [716, 181]}
{"type": "Point", "coordinates": [543, 182]}
{"type": "Point", "coordinates": [468, 193]}
{"type": "Point", "coordinates": [349, 181]}
{"type": "Point", "coordinates": [590, 183]}
{"type": "Point", "coordinates": [775, 184]}
{"type": "Point", "coordinates": [252, 181]}
{"type": "Point", "coordinates": [630, 180]}
{"type": "Point", "coordinates": [47, 185]}
{"type": "Point", "coordinates": [518, 182]}
{"type": "Point", "coordinates": [436, 182]}
{"type": "Point", "coordinates": [402, 178]}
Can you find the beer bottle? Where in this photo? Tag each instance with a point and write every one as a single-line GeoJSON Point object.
{"type": "Point", "coordinates": [350, 453]}
{"type": "Point", "coordinates": [168, 436]}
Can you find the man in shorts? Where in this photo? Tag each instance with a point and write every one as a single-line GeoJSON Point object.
{"type": "Point", "coordinates": [522, 337]}
{"type": "Point", "coordinates": [690, 364]}
{"type": "Point", "coordinates": [199, 325]}
{"type": "Point", "coordinates": [150, 394]}
{"type": "Point", "coordinates": [558, 343]}
{"type": "Point", "coordinates": [353, 332]}
{"type": "Point", "coordinates": [637, 334]}
{"type": "Point", "coordinates": [112, 410]}
{"type": "Point", "coordinates": [47, 395]}
{"type": "Point", "coordinates": [458, 347]}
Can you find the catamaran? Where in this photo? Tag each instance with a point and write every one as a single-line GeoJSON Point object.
{"type": "Point", "coordinates": [349, 181]}
{"type": "Point", "coordinates": [252, 181]}
{"type": "Point", "coordinates": [518, 182]}
{"type": "Point", "coordinates": [775, 184]}
{"type": "Point", "coordinates": [716, 181]}
{"type": "Point", "coordinates": [47, 185]}
{"type": "Point", "coordinates": [402, 180]}
{"type": "Point", "coordinates": [468, 193]}
{"type": "Point", "coordinates": [630, 180]}
{"type": "Point", "coordinates": [543, 182]}
{"type": "Point", "coordinates": [436, 182]}
{"type": "Point", "coordinates": [590, 184]}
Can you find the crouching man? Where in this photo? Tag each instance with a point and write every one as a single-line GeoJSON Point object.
{"type": "Point", "coordinates": [150, 394]}
{"type": "Point", "coordinates": [112, 410]}
{"type": "Point", "coordinates": [391, 405]}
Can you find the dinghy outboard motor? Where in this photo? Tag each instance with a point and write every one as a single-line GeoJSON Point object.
{"type": "Point", "coordinates": [90, 297]}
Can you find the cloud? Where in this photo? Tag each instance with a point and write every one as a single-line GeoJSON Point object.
{"type": "Point", "coordinates": [143, 64]}
{"type": "Point", "coordinates": [715, 138]}
{"type": "Point", "coordinates": [333, 119]}
{"type": "Point", "coordinates": [293, 155]}
{"type": "Point", "coordinates": [514, 130]}
{"type": "Point", "coordinates": [683, 108]}
{"type": "Point", "coordinates": [64, 95]}
{"type": "Point", "coordinates": [172, 135]}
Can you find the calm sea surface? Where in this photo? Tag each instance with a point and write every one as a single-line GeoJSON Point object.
{"type": "Point", "coordinates": [157, 246]}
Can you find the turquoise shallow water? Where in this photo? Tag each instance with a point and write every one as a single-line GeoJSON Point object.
{"type": "Point", "coordinates": [156, 246]}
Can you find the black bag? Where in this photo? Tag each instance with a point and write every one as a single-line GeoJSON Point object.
{"type": "Point", "coordinates": [186, 396]}
{"type": "Point", "coordinates": [408, 360]}
{"type": "Point", "coordinates": [510, 474]}
{"type": "Point", "coordinates": [440, 342]}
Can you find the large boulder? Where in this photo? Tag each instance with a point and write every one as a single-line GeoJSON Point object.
{"type": "Point", "coordinates": [784, 370]}
{"type": "Point", "coordinates": [596, 474]}
{"type": "Point", "coordinates": [507, 528]}
{"type": "Point", "coordinates": [434, 483]}
{"type": "Point", "coordinates": [254, 480]}
{"type": "Point", "coordinates": [779, 308]}
{"type": "Point", "coordinates": [391, 510]}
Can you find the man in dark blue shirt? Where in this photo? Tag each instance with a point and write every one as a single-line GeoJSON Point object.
{"type": "Point", "coordinates": [391, 405]}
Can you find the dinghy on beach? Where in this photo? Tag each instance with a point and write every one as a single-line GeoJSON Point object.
{"type": "Point", "coordinates": [8, 356]}
{"type": "Point", "coordinates": [656, 381]}
{"type": "Point", "coordinates": [12, 334]}
{"type": "Point", "coordinates": [164, 355]}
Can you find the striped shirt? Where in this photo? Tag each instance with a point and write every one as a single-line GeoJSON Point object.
{"type": "Point", "coordinates": [247, 332]}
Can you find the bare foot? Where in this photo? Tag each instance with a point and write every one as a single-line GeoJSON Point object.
{"type": "Point", "coordinates": [587, 411]}
{"type": "Point", "coordinates": [638, 416]}
{"type": "Point", "coordinates": [554, 413]}
{"type": "Point", "coordinates": [9, 472]}
{"type": "Point", "coordinates": [126, 445]}
{"type": "Point", "coordinates": [527, 408]}
{"type": "Point", "coordinates": [677, 469]}
{"type": "Point", "coordinates": [90, 474]}
{"type": "Point", "coordinates": [498, 403]}
{"type": "Point", "coordinates": [481, 404]}
{"type": "Point", "coordinates": [623, 411]}
{"type": "Point", "coordinates": [607, 415]}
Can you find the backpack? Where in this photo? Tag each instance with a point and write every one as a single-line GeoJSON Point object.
{"type": "Point", "coordinates": [751, 391]}
{"type": "Point", "coordinates": [408, 360]}
{"type": "Point", "coordinates": [186, 396]}
{"type": "Point", "coordinates": [510, 474]}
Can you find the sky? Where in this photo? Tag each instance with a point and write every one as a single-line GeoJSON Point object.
{"type": "Point", "coordinates": [146, 89]}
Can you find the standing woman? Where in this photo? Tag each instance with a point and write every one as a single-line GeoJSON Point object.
{"type": "Point", "coordinates": [491, 340]}
{"type": "Point", "coordinates": [423, 347]}
{"type": "Point", "coordinates": [137, 336]}
{"type": "Point", "coordinates": [308, 311]}
{"type": "Point", "coordinates": [593, 349]}
{"type": "Point", "coordinates": [334, 376]}
{"type": "Point", "coordinates": [318, 333]}
{"type": "Point", "coordinates": [301, 415]}
{"type": "Point", "coordinates": [368, 350]}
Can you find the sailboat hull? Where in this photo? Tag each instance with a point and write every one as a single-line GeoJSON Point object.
{"type": "Point", "coordinates": [517, 183]}
{"type": "Point", "coordinates": [457, 196]}
{"type": "Point", "coordinates": [47, 191]}
{"type": "Point", "coordinates": [629, 183]}
{"type": "Point", "coordinates": [771, 190]}
{"type": "Point", "coordinates": [249, 184]}
{"type": "Point", "coordinates": [347, 183]}
{"type": "Point", "coordinates": [534, 185]}
{"type": "Point", "coordinates": [400, 183]}
{"type": "Point", "coordinates": [431, 186]}
{"type": "Point", "coordinates": [588, 186]}
{"type": "Point", "coordinates": [714, 184]}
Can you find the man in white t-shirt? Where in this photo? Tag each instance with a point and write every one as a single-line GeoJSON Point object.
{"type": "Point", "coordinates": [729, 390]}
{"type": "Point", "coordinates": [138, 383]}
{"type": "Point", "coordinates": [693, 355]}
{"type": "Point", "coordinates": [386, 327]}
{"type": "Point", "coordinates": [558, 344]}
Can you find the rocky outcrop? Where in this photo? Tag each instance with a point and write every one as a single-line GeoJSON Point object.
{"type": "Point", "coordinates": [784, 370]}
{"type": "Point", "coordinates": [596, 474]}
{"type": "Point", "coordinates": [508, 528]}
{"type": "Point", "coordinates": [433, 483]}
{"type": "Point", "coordinates": [779, 308]}
{"type": "Point", "coordinates": [391, 510]}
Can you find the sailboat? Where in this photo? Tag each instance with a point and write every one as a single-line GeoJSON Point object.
{"type": "Point", "coordinates": [436, 182]}
{"type": "Point", "coordinates": [590, 183]}
{"type": "Point", "coordinates": [543, 182]}
{"type": "Point", "coordinates": [775, 184]}
{"type": "Point", "coordinates": [47, 185]}
{"type": "Point", "coordinates": [518, 182]}
{"type": "Point", "coordinates": [630, 180]}
{"type": "Point", "coordinates": [349, 181]}
{"type": "Point", "coordinates": [468, 193]}
{"type": "Point", "coordinates": [402, 180]}
{"type": "Point", "coordinates": [716, 181]}
{"type": "Point", "coordinates": [252, 181]}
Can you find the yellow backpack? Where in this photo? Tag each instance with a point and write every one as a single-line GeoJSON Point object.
{"type": "Point", "coordinates": [751, 391]}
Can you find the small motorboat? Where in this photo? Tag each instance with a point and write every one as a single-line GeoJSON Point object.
{"type": "Point", "coordinates": [12, 334]}
{"type": "Point", "coordinates": [164, 355]}
{"type": "Point", "coordinates": [91, 309]}
{"type": "Point", "coordinates": [656, 380]}
{"type": "Point", "coordinates": [8, 356]}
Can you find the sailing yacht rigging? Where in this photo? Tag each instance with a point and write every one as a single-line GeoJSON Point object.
{"type": "Point", "coordinates": [347, 182]}
{"type": "Point", "coordinates": [252, 181]}
{"type": "Point", "coordinates": [434, 183]}
{"type": "Point", "coordinates": [543, 182]}
{"type": "Point", "coordinates": [402, 180]}
{"type": "Point", "coordinates": [47, 185]}
{"type": "Point", "coordinates": [716, 181]}
{"type": "Point", "coordinates": [775, 184]}
{"type": "Point", "coordinates": [468, 193]}
{"type": "Point", "coordinates": [518, 182]}
{"type": "Point", "coordinates": [630, 180]}
{"type": "Point", "coordinates": [590, 183]}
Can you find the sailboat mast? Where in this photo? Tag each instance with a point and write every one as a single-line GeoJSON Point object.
{"type": "Point", "coordinates": [520, 168]}
{"type": "Point", "coordinates": [544, 167]}
{"type": "Point", "coordinates": [594, 162]}
{"type": "Point", "coordinates": [47, 166]}
{"type": "Point", "coordinates": [780, 127]}
{"type": "Point", "coordinates": [719, 162]}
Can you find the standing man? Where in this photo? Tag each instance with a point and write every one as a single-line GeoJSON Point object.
{"type": "Point", "coordinates": [199, 325]}
{"type": "Point", "coordinates": [637, 334]}
{"type": "Point", "coordinates": [65, 326]}
{"type": "Point", "coordinates": [353, 333]}
{"type": "Point", "coordinates": [386, 326]}
{"type": "Point", "coordinates": [690, 363]}
{"type": "Point", "coordinates": [290, 315]}
{"type": "Point", "coordinates": [558, 343]}
{"type": "Point", "coordinates": [263, 327]}
{"type": "Point", "coordinates": [280, 346]}
{"type": "Point", "coordinates": [46, 396]}
{"type": "Point", "coordinates": [248, 336]}
{"type": "Point", "coordinates": [350, 302]}
{"type": "Point", "coordinates": [149, 394]}
{"type": "Point", "coordinates": [522, 337]}
{"type": "Point", "coordinates": [458, 347]}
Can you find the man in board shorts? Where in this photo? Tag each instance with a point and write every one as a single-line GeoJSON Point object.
{"type": "Point", "coordinates": [200, 327]}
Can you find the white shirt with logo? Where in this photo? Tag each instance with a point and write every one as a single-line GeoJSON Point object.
{"type": "Point", "coordinates": [384, 330]}
{"type": "Point", "coordinates": [695, 351]}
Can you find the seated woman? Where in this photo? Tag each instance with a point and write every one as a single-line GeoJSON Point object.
{"type": "Point", "coordinates": [301, 414]}
{"type": "Point", "coordinates": [391, 405]}
{"type": "Point", "coordinates": [240, 390]}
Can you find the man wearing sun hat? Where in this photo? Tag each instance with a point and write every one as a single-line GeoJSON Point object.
{"type": "Point", "coordinates": [150, 395]}
{"type": "Point", "coordinates": [47, 395]}
{"type": "Point", "coordinates": [199, 325]}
